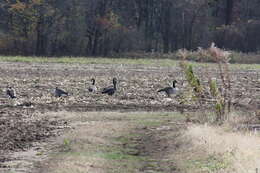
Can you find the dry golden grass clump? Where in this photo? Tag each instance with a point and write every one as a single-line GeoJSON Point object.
{"type": "Point", "coordinates": [238, 152]}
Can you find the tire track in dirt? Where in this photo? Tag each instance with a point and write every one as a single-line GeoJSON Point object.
{"type": "Point", "coordinates": [154, 144]}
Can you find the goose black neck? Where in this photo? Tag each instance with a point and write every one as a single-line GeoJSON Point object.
{"type": "Point", "coordinates": [93, 81]}
{"type": "Point", "coordinates": [114, 83]}
{"type": "Point", "coordinates": [173, 84]}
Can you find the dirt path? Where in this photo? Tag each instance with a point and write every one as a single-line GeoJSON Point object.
{"type": "Point", "coordinates": [155, 146]}
{"type": "Point", "coordinates": [115, 142]}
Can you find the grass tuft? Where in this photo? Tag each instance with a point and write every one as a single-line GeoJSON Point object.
{"type": "Point", "coordinates": [119, 61]}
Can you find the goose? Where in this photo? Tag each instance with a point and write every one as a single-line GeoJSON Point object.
{"type": "Point", "coordinates": [10, 92]}
{"type": "Point", "coordinates": [92, 88]}
{"type": "Point", "coordinates": [59, 92]}
{"type": "Point", "coordinates": [110, 90]}
{"type": "Point", "coordinates": [170, 90]}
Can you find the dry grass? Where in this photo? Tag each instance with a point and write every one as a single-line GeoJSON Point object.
{"type": "Point", "coordinates": [165, 61]}
{"type": "Point", "coordinates": [212, 149]}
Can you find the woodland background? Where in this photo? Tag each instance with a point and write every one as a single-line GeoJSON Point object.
{"type": "Point", "coordinates": [108, 27]}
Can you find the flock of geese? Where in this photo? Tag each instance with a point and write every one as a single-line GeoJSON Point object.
{"type": "Point", "coordinates": [10, 92]}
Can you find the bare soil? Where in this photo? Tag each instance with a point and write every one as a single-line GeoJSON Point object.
{"type": "Point", "coordinates": [137, 91]}
{"type": "Point", "coordinates": [155, 144]}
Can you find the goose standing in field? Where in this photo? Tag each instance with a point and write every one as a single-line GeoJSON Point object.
{"type": "Point", "coordinates": [10, 92]}
{"type": "Point", "coordinates": [59, 92]}
{"type": "Point", "coordinates": [110, 90]}
{"type": "Point", "coordinates": [92, 88]}
{"type": "Point", "coordinates": [170, 90]}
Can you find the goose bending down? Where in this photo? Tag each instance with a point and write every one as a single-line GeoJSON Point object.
{"type": "Point", "coordinates": [10, 92]}
{"type": "Point", "coordinates": [170, 90]}
{"type": "Point", "coordinates": [110, 90]}
{"type": "Point", "coordinates": [92, 88]}
{"type": "Point", "coordinates": [59, 92]}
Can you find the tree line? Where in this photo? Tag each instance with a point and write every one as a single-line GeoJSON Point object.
{"type": "Point", "coordinates": [107, 27]}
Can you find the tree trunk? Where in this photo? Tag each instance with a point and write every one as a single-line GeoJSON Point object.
{"type": "Point", "coordinates": [166, 25]}
{"type": "Point", "coordinates": [229, 11]}
{"type": "Point", "coordinates": [95, 43]}
{"type": "Point", "coordinates": [40, 36]}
